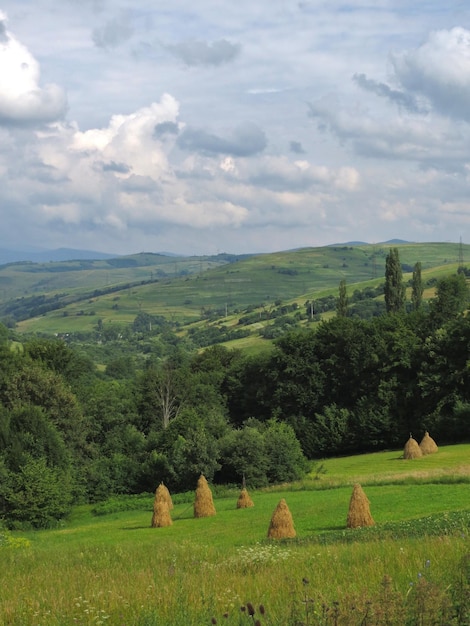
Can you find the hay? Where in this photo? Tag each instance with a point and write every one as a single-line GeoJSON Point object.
{"type": "Point", "coordinates": [359, 512]}
{"type": "Point", "coordinates": [428, 445]}
{"type": "Point", "coordinates": [282, 524]}
{"type": "Point", "coordinates": [203, 503]}
{"type": "Point", "coordinates": [412, 449]}
{"type": "Point", "coordinates": [161, 514]}
{"type": "Point", "coordinates": [163, 494]}
{"type": "Point", "coordinates": [244, 501]}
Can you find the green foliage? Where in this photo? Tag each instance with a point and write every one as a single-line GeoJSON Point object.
{"type": "Point", "coordinates": [417, 287]}
{"type": "Point", "coordinates": [4, 335]}
{"type": "Point", "coordinates": [286, 461]}
{"type": "Point", "coordinates": [25, 433]}
{"type": "Point", "coordinates": [244, 456]}
{"type": "Point", "coordinates": [452, 297]}
{"type": "Point", "coordinates": [37, 495]}
{"type": "Point", "coordinates": [395, 290]}
{"type": "Point", "coordinates": [342, 302]}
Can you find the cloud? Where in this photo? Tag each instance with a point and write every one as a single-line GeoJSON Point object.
{"type": "Point", "coordinates": [247, 140]}
{"type": "Point", "coordinates": [113, 33]}
{"type": "Point", "coordinates": [296, 147]}
{"type": "Point", "coordinates": [439, 69]}
{"type": "Point", "coordinates": [401, 98]}
{"type": "Point", "coordinates": [165, 128]}
{"type": "Point", "coordinates": [22, 100]}
{"type": "Point", "coordinates": [428, 140]}
{"type": "Point", "coordinates": [281, 175]}
{"type": "Point", "coordinates": [120, 168]}
{"type": "Point", "coordinates": [194, 52]}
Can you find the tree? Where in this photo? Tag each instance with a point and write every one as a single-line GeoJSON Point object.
{"type": "Point", "coordinates": [342, 302]}
{"type": "Point", "coordinates": [38, 495]}
{"type": "Point", "coordinates": [162, 392]}
{"type": "Point", "coordinates": [451, 298]}
{"type": "Point", "coordinates": [395, 290]}
{"type": "Point", "coordinates": [286, 459]}
{"type": "Point", "coordinates": [3, 335]}
{"type": "Point", "coordinates": [417, 287]}
{"type": "Point", "coordinates": [243, 456]}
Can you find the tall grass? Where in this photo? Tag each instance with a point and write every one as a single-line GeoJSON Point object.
{"type": "Point", "coordinates": [412, 568]}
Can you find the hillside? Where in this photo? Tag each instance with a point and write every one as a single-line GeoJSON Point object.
{"type": "Point", "coordinates": [71, 296]}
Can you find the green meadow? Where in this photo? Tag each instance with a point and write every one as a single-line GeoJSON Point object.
{"type": "Point", "coordinates": [105, 565]}
{"type": "Point", "coordinates": [181, 288]}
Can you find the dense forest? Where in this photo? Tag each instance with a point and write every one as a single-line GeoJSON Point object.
{"type": "Point", "coordinates": [71, 432]}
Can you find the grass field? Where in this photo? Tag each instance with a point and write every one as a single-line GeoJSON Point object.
{"type": "Point", "coordinates": [412, 567]}
{"type": "Point", "coordinates": [210, 284]}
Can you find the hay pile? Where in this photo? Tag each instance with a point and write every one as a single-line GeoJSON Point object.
{"type": "Point", "coordinates": [203, 503]}
{"type": "Point", "coordinates": [161, 508]}
{"type": "Point", "coordinates": [282, 524]}
{"type": "Point", "coordinates": [428, 445]}
{"type": "Point", "coordinates": [244, 501]}
{"type": "Point", "coordinates": [412, 449]}
{"type": "Point", "coordinates": [163, 493]}
{"type": "Point", "coordinates": [359, 511]}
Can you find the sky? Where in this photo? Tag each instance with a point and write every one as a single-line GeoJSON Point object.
{"type": "Point", "coordinates": [240, 127]}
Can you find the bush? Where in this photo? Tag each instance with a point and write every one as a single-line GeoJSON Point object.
{"type": "Point", "coordinates": [37, 496]}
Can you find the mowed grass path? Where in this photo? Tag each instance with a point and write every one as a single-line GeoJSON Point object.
{"type": "Point", "coordinates": [115, 569]}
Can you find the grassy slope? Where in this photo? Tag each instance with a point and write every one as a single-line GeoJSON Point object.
{"type": "Point", "coordinates": [293, 276]}
{"type": "Point", "coordinates": [435, 483]}
{"type": "Point", "coordinates": [114, 569]}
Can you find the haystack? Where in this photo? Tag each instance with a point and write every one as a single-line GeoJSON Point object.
{"type": "Point", "coordinates": [282, 524]}
{"type": "Point", "coordinates": [203, 504]}
{"type": "Point", "coordinates": [163, 494]}
{"type": "Point", "coordinates": [244, 501]}
{"type": "Point", "coordinates": [359, 511]}
{"type": "Point", "coordinates": [161, 514]}
{"type": "Point", "coordinates": [412, 449]}
{"type": "Point", "coordinates": [428, 445]}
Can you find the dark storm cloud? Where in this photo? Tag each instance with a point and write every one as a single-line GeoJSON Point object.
{"type": "Point", "coordinates": [202, 53]}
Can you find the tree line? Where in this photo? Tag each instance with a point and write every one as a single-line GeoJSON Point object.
{"type": "Point", "coordinates": [70, 432]}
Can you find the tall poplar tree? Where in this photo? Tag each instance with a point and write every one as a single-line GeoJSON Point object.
{"type": "Point", "coordinates": [417, 287]}
{"type": "Point", "coordinates": [395, 290]}
{"type": "Point", "coordinates": [342, 301]}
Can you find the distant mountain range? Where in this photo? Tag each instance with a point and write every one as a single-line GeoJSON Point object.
{"type": "Point", "coordinates": [47, 256]}
{"type": "Point", "coordinates": [71, 254]}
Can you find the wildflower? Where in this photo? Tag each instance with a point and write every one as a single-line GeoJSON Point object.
{"type": "Point", "coordinates": [251, 608]}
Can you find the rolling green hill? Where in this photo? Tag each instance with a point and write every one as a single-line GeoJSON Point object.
{"type": "Point", "coordinates": [69, 297]}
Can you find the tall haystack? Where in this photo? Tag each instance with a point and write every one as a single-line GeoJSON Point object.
{"type": "Point", "coordinates": [203, 503]}
{"type": "Point", "coordinates": [163, 494]}
{"type": "Point", "coordinates": [428, 445]}
{"type": "Point", "coordinates": [244, 501]}
{"type": "Point", "coordinates": [282, 524]}
{"type": "Point", "coordinates": [359, 511]}
{"type": "Point", "coordinates": [161, 514]}
{"type": "Point", "coordinates": [412, 449]}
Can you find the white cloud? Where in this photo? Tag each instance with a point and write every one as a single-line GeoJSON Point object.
{"type": "Point", "coordinates": [22, 99]}
{"type": "Point", "coordinates": [440, 70]}
{"type": "Point", "coordinates": [231, 157]}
